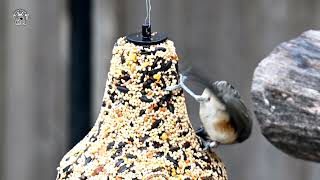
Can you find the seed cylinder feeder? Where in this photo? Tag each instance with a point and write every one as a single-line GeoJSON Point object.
{"type": "Point", "coordinates": [143, 130]}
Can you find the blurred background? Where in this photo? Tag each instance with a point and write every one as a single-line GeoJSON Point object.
{"type": "Point", "coordinates": [53, 71]}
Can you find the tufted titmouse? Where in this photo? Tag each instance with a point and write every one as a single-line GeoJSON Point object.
{"type": "Point", "coordinates": [224, 117]}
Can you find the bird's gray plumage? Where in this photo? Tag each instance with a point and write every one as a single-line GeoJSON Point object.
{"type": "Point", "coordinates": [239, 114]}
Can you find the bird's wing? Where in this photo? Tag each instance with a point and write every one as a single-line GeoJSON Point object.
{"type": "Point", "coordinates": [239, 113]}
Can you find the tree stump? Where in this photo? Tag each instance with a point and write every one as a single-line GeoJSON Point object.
{"type": "Point", "coordinates": [286, 96]}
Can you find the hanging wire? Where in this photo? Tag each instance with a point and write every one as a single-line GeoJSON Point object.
{"type": "Point", "coordinates": [148, 11]}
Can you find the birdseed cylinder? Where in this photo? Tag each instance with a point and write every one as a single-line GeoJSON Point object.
{"type": "Point", "coordinates": [142, 131]}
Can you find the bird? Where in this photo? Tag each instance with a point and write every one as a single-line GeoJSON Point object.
{"type": "Point", "coordinates": [225, 118]}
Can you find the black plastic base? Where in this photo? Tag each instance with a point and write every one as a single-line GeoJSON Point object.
{"type": "Point", "coordinates": [138, 39]}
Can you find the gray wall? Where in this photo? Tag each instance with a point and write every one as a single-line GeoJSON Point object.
{"type": "Point", "coordinates": [34, 90]}
{"type": "Point", "coordinates": [2, 81]}
{"type": "Point", "coordinates": [224, 39]}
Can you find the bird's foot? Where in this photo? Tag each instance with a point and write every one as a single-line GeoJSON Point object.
{"type": "Point", "coordinates": [174, 87]}
{"type": "Point", "coordinates": [204, 138]}
{"type": "Point", "coordinates": [183, 78]}
{"type": "Point", "coordinates": [179, 85]}
{"type": "Point", "coordinates": [209, 145]}
{"type": "Point", "coordinates": [213, 144]}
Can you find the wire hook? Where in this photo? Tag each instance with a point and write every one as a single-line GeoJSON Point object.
{"type": "Point", "coordinates": [145, 37]}
{"type": "Point", "coordinates": [148, 11]}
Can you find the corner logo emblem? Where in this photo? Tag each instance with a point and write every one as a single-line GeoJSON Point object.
{"type": "Point", "coordinates": [20, 17]}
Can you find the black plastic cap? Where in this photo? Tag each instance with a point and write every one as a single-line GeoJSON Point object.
{"type": "Point", "coordinates": [146, 37]}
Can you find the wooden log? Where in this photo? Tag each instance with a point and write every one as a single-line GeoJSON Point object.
{"type": "Point", "coordinates": [286, 96]}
